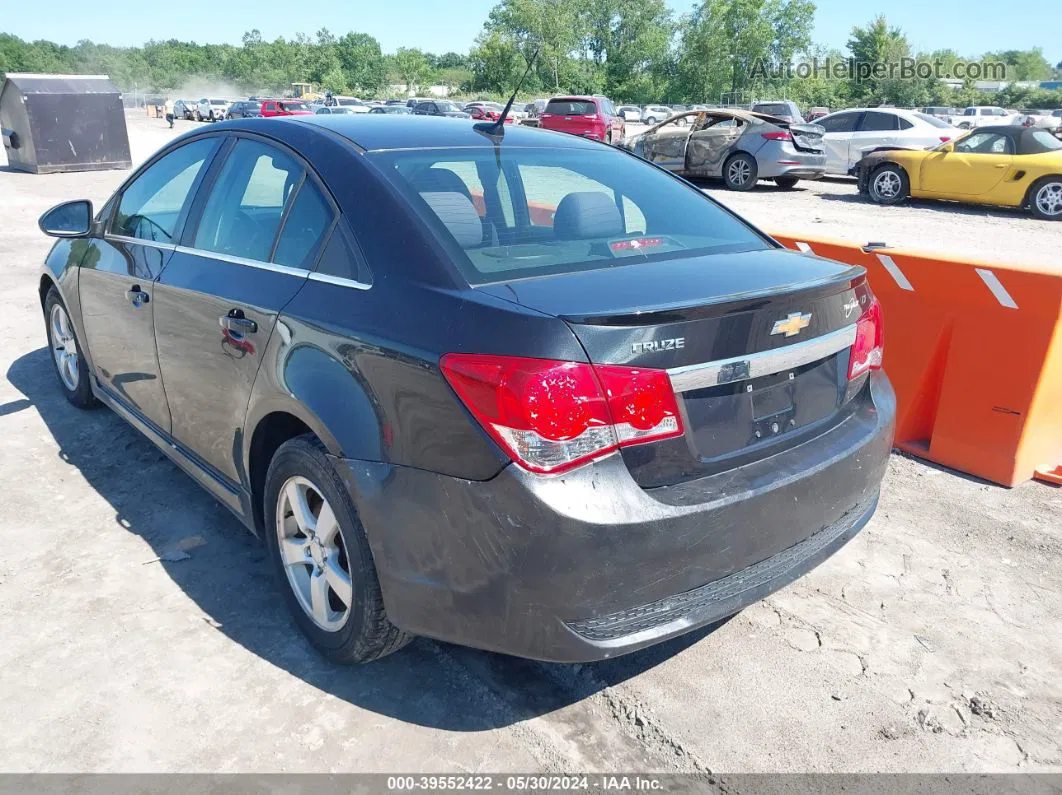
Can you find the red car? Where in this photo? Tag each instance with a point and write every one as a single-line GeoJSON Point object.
{"type": "Point", "coordinates": [589, 117]}
{"type": "Point", "coordinates": [285, 107]}
{"type": "Point", "coordinates": [482, 111]}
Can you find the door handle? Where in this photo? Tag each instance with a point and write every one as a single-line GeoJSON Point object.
{"type": "Point", "coordinates": [235, 321]}
{"type": "Point", "coordinates": [137, 296]}
{"type": "Point", "coordinates": [1001, 165]}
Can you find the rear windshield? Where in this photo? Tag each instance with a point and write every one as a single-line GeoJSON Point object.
{"type": "Point", "coordinates": [932, 120]}
{"type": "Point", "coordinates": [774, 109]}
{"type": "Point", "coordinates": [570, 107]}
{"type": "Point", "coordinates": [218, 101]}
{"type": "Point", "coordinates": [1046, 140]}
{"type": "Point", "coordinates": [288, 105]}
{"type": "Point", "coordinates": [528, 212]}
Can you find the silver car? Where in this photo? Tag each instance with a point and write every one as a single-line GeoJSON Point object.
{"type": "Point", "coordinates": [739, 146]}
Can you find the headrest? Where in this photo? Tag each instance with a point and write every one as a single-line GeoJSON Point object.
{"type": "Point", "coordinates": [586, 215]}
{"type": "Point", "coordinates": [459, 215]}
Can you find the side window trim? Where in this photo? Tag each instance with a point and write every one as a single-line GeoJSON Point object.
{"type": "Point", "coordinates": [180, 226]}
{"type": "Point", "coordinates": [340, 227]}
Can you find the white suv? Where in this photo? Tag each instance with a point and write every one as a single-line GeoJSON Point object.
{"type": "Point", "coordinates": [212, 109]}
{"type": "Point", "coordinates": [979, 115]}
{"type": "Point", "coordinates": [655, 113]}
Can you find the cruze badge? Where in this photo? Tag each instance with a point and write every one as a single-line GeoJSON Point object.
{"type": "Point", "coordinates": [675, 344]}
{"type": "Point", "coordinates": [792, 324]}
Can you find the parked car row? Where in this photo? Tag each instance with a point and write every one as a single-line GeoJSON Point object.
{"type": "Point", "coordinates": [896, 153]}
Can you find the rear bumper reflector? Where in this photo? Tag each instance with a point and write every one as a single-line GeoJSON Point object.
{"type": "Point", "coordinates": [754, 365]}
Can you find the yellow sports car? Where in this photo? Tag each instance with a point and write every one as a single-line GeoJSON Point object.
{"type": "Point", "coordinates": [1008, 166]}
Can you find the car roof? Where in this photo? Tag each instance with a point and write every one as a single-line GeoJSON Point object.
{"type": "Point", "coordinates": [401, 131]}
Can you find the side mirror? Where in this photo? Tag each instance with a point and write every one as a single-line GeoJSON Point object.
{"type": "Point", "coordinates": [69, 219]}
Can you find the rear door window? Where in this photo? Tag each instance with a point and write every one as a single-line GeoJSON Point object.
{"type": "Point", "coordinates": [151, 206]}
{"type": "Point", "coordinates": [246, 204]}
{"type": "Point", "coordinates": [841, 122]}
{"type": "Point", "coordinates": [876, 121]}
{"type": "Point", "coordinates": [305, 227]}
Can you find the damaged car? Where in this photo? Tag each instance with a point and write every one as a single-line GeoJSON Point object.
{"type": "Point", "coordinates": [739, 146]}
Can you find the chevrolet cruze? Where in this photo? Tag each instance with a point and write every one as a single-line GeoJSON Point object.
{"type": "Point", "coordinates": [581, 409]}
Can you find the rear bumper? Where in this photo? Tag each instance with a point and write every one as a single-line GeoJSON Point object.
{"type": "Point", "coordinates": [784, 160]}
{"type": "Point", "coordinates": [588, 565]}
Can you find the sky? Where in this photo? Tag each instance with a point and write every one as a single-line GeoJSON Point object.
{"type": "Point", "coordinates": [968, 26]}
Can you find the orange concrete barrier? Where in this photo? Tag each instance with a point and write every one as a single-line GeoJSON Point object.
{"type": "Point", "coordinates": [974, 351]}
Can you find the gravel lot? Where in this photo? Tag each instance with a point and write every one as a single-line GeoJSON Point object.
{"type": "Point", "coordinates": [933, 642]}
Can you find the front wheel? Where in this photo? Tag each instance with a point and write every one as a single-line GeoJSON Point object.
{"type": "Point", "coordinates": [197, 116]}
{"type": "Point", "coordinates": [650, 120]}
{"type": "Point", "coordinates": [888, 185]}
{"type": "Point", "coordinates": [1046, 202]}
{"type": "Point", "coordinates": [786, 183]}
{"type": "Point", "coordinates": [69, 361]}
{"type": "Point", "coordinates": [740, 172]}
{"type": "Point", "coordinates": [322, 558]}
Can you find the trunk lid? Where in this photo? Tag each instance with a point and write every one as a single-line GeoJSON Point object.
{"type": "Point", "coordinates": [807, 137]}
{"type": "Point", "coordinates": [756, 345]}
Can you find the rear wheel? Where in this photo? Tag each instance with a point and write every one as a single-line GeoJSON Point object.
{"type": "Point", "coordinates": [322, 557]}
{"type": "Point", "coordinates": [650, 119]}
{"type": "Point", "coordinates": [1046, 201]}
{"type": "Point", "coordinates": [70, 365]}
{"type": "Point", "coordinates": [786, 182]}
{"type": "Point", "coordinates": [888, 185]}
{"type": "Point", "coordinates": [740, 171]}
{"type": "Point", "coordinates": [196, 116]}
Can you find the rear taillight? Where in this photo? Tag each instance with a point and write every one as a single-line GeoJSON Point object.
{"type": "Point", "coordinates": [945, 138]}
{"type": "Point", "coordinates": [869, 346]}
{"type": "Point", "coordinates": [779, 135]}
{"type": "Point", "coordinates": [552, 416]}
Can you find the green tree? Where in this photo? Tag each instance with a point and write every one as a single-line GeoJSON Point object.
{"type": "Point", "coordinates": [410, 66]}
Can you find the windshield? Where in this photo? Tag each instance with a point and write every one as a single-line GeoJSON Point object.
{"type": "Point", "coordinates": [219, 102]}
{"type": "Point", "coordinates": [570, 107]}
{"type": "Point", "coordinates": [577, 210]}
{"type": "Point", "coordinates": [932, 120]}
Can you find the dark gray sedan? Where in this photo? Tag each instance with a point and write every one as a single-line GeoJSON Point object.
{"type": "Point", "coordinates": [739, 146]}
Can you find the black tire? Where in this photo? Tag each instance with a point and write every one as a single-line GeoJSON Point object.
{"type": "Point", "coordinates": [366, 633]}
{"type": "Point", "coordinates": [1052, 184]}
{"type": "Point", "coordinates": [650, 120]}
{"type": "Point", "coordinates": [608, 138]}
{"type": "Point", "coordinates": [196, 116]}
{"type": "Point", "coordinates": [786, 183]}
{"type": "Point", "coordinates": [81, 395]}
{"type": "Point", "coordinates": [740, 172]}
{"type": "Point", "coordinates": [888, 184]}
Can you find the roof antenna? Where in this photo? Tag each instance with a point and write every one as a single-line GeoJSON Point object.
{"type": "Point", "coordinates": [497, 128]}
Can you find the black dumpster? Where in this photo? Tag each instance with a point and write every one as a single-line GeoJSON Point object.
{"type": "Point", "coordinates": [63, 123]}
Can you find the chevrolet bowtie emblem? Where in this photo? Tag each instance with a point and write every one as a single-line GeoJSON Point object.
{"type": "Point", "coordinates": [792, 325]}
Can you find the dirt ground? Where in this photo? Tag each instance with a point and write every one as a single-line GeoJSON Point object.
{"type": "Point", "coordinates": [932, 642]}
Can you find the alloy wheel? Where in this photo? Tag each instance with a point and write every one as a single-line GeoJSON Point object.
{"type": "Point", "coordinates": [64, 347]}
{"type": "Point", "coordinates": [1049, 199]}
{"type": "Point", "coordinates": [739, 172]}
{"type": "Point", "coordinates": [312, 551]}
{"type": "Point", "coordinates": [887, 184]}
